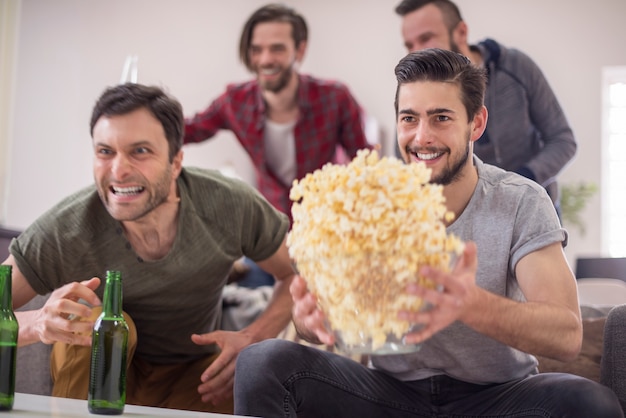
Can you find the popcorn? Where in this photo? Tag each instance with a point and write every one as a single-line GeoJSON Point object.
{"type": "Point", "coordinates": [360, 234]}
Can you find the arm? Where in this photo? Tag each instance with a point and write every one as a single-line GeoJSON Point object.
{"type": "Point", "coordinates": [278, 312]}
{"type": "Point", "coordinates": [50, 323]}
{"type": "Point", "coordinates": [217, 380]}
{"type": "Point", "coordinates": [547, 116]}
{"type": "Point", "coordinates": [547, 324]}
{"type": "Point", "coordinates": [203, 125]}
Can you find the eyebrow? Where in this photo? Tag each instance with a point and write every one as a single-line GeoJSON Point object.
{"type": "Point", "coordinates": [430, 112]}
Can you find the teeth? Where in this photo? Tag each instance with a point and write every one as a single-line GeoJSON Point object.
{"type": "Point", "coordinates": [430, 156]}
{"type": "Point", "coordinates": [269, 71]}
{"type": "Point", "coordinates": [127, 190]}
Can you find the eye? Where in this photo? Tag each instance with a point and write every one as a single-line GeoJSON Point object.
{"type": "Point", "coordinates": [443, 118]}
{"type": "Point", "coordinates": [142, 150]}
{"type": "Point", "coordinates": [104, 151]}
{"type": "Point", "coordinates": [407, 119]}
{"type": "Point", "coordinates": [278, 48]}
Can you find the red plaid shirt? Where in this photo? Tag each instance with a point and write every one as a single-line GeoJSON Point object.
{"type": "Point", "coordinates": [329, 117]}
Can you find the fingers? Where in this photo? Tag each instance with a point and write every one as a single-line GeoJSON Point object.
{"type": "Point", "coordinates": [309, 319]}
{"type": "Point", "coordinates": [203, 339]}
{"type": "Point", "coordinates": [298, 288]}
{"type": "Point", "coordinates": [58, 319]}
{"type": "Point", "coordinates": [217, 390]}
{"type": "Point", "coordinates": [217, 380]}
{"type": "Point", "coordinates": [448, 300]}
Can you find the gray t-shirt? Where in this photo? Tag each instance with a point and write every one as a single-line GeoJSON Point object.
{"type": "Point", "coordinates": [220, 220]}
{"type": "Point", "coordinates": [508, 217]}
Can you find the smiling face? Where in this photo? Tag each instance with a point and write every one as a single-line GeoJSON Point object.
{"type": "Point", "coordinates": [132, 170]}
{"type": "Point", "coordinates": [273, 54]}
{"type": "Point", "coordinates": [433, 128]}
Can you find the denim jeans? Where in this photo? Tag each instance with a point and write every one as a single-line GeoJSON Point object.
{"type": "Point", "coordinates": [278, 378]}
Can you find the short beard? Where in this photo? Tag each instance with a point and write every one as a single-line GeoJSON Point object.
{"type": "Point", "coordinates": [281, 83]}
{"type": "Point", "coordinates": [454, 173]}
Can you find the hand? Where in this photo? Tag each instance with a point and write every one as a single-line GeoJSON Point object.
{"type": "Point", "coordinates": [53, 320]}
{"type": "Point", "coordinates": [309, 320]}
{"type": "Point", "coordinates": [217, 380]}
{"type": "Point", "coordinates": [452, 296]}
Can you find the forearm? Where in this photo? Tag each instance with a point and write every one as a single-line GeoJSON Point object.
{"type": "Point", "coordinates": [538, 328]}
{"type": "Point", "coordinates": [276, 316]}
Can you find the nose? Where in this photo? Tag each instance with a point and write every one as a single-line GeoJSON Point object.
{"type": "Point", "coordinates": [423, 135]}
{"type": "Point", "coordinates": [120, 167]}
{"type": "Point", "coordinates": [265, 56]}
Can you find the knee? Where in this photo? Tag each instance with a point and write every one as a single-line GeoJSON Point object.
{"type": "Point", "coordinates": [586, 397]}
{"type": "Point", "coordinates": [264, 356]}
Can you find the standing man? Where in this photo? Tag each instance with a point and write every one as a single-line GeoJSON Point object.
{"type": "Point", "coordinates": [510, 297]}
{"type": "Point", "coordinates": [289, 123]}
{"type": "Point", "coordinates": [527, 131]}
{"type": "Point", "coordinates": [174, 233]}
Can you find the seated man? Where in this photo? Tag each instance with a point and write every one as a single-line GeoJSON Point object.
{"type": "Point", "coordinates": [511, 295]}
{"type": "Point", "coordinates": [174, 233]}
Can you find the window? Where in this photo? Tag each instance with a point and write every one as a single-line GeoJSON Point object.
{"type": "Point", "coordinates": [614, 160]}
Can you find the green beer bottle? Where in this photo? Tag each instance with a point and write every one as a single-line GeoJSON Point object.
{"type": "Point", "coordinates": [8, 341]}
{"type": "Point", "coordinates": [107, 378]}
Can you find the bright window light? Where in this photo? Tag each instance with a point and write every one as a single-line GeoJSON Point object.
{"type": "Point", "coordinates": [614, 161]}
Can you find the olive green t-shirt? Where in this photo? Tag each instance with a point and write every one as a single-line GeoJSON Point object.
{"type": "Point", "coordinates": [220, 220]}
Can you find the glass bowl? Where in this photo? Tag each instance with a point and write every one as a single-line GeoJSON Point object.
{"type": "Point", "coordinates": [362, 294]}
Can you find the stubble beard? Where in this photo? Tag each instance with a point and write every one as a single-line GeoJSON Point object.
{"type": "Point", "coordinates": [159, 194]}
{"type": "Point", "coordinates": [455, 171]}
{"type": "Point", "coordinates": [282, 82]}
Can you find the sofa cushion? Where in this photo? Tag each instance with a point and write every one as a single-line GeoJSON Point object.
{"type": "Point", "coordinates": [587, 364]}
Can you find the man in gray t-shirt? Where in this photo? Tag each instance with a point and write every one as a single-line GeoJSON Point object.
{"type": "Point", "coordinates": [510, 296]}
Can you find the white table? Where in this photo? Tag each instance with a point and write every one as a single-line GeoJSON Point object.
{"type": "Point", "coordinates": [32, 406]}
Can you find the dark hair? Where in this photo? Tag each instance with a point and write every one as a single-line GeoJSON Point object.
{"type": "Point", "coordinates": [272, 13]}
{"type": "Point", "coordinates": [444, 66]}
{"type": "Point", "coordinates": [126, 98]}
{"type": "Point", "coordinates": [450, 11]}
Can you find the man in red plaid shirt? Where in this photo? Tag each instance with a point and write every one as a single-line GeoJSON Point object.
{"type": "Point", "coordinates": [289, 123]}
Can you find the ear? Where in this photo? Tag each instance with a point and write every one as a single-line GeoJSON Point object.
{"type": "Point", "coordinates": [479, 123]}
{"type": "Point", "coordinates": [459, 34]}
{"type": "Point", "coordinates": [177, 164]}
{"type": "Point", "coordinates": [300, 51]}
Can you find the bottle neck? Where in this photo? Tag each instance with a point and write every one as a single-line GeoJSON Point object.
{"type": "Point", "coordinates": [112, 303]}
{"type": "Point", "coordinates": [5, 287]}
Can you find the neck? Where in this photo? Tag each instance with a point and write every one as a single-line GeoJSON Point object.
{"type": "Point", "coordinates": [473, 54]}
{"type": "Point", "coordinates": [282, 107]}
{"type": "Point", "coordinates": [459, 193]}
{"type": "Point", "coordinates": [153, 235]}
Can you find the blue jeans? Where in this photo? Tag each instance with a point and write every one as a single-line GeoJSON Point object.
{"type": "Point", "coordinates": [278, 378]}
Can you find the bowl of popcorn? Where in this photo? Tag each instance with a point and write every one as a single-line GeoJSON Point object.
{"type": "Point", "coordinates": [361, 233]}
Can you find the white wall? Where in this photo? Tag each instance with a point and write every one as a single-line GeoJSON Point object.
{"type": "Point", "coordinates": [70, 50]}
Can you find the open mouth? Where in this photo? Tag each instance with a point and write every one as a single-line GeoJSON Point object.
{"type": "Point", "coordinates": [126, 191]}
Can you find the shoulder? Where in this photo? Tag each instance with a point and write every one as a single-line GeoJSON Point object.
{"type": "Point", "coordinates": [242, 89]}
{"type": "Point", "coordinates": [508, 58]}
{"type": "Point", "coordinates": [69, 227]}
{"type": "Point", "coordinates": [78, 214]}
{"type": "Point", "coordinates": [215, 199]}
{"type": "Point", "coordinates": [208, 188]}
{"type": "Point", "coordinates": [323, 86]}
{"type": "Point", "coordinates": [506, 183]}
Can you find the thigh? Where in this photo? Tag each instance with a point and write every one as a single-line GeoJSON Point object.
{"type": "Point", "coordinates": [171, 385]}
{"type": "Point", "coordinates": [282, 378]}
{"type": "Point", "coordinates": [541, 395]}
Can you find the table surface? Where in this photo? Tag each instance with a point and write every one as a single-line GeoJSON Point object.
{"type": "Point", "coordinates": [27, 405]}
